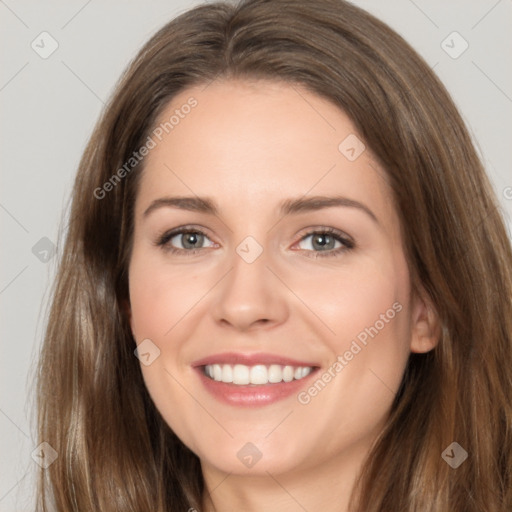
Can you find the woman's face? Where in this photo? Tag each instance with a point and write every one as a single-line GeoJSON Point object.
{"type": "Point", "coordinates": [290, 280]}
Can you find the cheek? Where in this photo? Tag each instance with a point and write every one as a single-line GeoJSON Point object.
{"type": "Point", "coordinates": [162, 303]}
{"type": "Point", "coordinates": [367, 307]}
{"type": "Point", "coordinates": [366, 299]}
{"type": "Point", "coordinates": [367, 310]}
{"type": "Point", "coordinates": [160, 297]}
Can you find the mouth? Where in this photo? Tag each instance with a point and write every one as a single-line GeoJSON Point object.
{"type": "Point", "coordinates": [253, 379]}
{"type": "Point", "coordinates": [242, 375]}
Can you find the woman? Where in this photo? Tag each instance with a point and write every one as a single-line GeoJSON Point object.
{"type": "Point", "coordinates": [275, 293]}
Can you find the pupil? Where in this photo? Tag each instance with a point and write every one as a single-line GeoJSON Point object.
{"type": "Point", "coordinates": [190, 240]}
{"type": "Point", "coordinates": [322, 241]}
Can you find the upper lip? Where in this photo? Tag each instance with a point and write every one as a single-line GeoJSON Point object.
{"type": "Point", "coordinates": [250, 359]}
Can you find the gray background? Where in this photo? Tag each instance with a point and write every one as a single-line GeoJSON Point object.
{"type": "Point", "coordinates": [49, 107]}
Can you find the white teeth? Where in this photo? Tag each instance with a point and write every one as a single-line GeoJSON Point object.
{"type": "Point", "coordinates": [227, 373]}
{"type": "Point", "coordinates": [288, 373]}
{"type": "Point", "coordinates": [217, 372]}
{"type": "Point", "coordinates": [275, 373]}
{"type": "Point", "coordinates": [241, 374]}
{"type": "Point", "coordinates": [259, 374]}
{"type": "Point", "coordinates": [306, 370]}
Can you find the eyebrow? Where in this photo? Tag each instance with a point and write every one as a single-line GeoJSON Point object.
{"type": "Point", "coordinates": [287, 207]}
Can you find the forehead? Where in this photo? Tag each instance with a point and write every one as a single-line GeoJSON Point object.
{"type": "Point", "coordinates": [256, 143]}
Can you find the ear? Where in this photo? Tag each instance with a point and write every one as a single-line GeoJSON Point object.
{"type": "Point", "coordinates": [425, 325]}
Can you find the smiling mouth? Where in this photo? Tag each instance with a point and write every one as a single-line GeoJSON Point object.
{"type": "Point", "coordinates": [242, 375]}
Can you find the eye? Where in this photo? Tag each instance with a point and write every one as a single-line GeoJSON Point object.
{"type": "Point", "coordinates": [318, 243]}
{"type": "Point", "coordinates": [184, 240]}
{"type": "Point", "coordinates": [329, 241]}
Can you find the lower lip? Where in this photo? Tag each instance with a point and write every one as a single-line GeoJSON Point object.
{"type": "Point", "coordinates": [253, 395]}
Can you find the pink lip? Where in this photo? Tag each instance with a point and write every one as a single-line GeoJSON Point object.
{"type": "Point", "coordinates": [250, 360]}
{"type": "Point", "coordinates": [251, 395]}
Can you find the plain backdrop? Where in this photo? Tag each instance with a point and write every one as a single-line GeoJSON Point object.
{"type": "Point", "coordinates": [50, 103]}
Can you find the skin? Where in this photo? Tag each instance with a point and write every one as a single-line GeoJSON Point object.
{"type": "Point", "coordinates": [248, 146]}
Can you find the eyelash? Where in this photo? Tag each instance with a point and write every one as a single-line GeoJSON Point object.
{"type": "Point", "coordinates": [348, 243]}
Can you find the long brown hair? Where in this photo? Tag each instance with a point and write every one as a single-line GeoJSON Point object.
{"type": "Point", "coordinates": [115, 452]}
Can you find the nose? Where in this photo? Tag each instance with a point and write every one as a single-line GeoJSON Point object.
{"type": "Point", "coordinates": [250, 296]}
